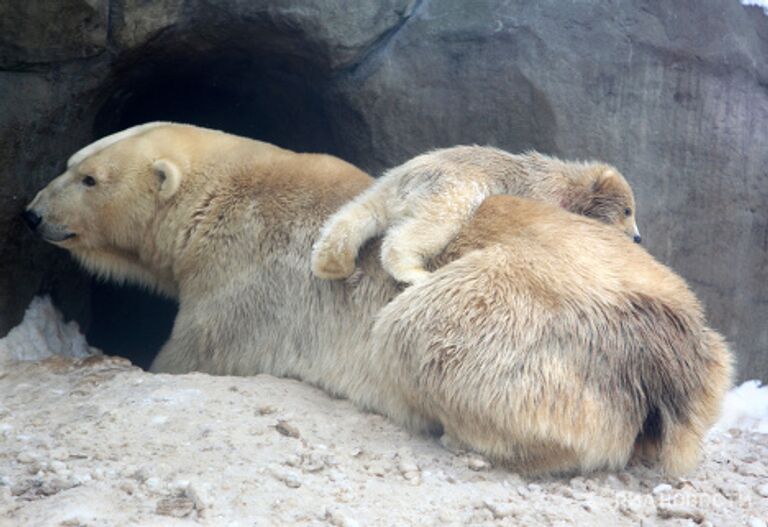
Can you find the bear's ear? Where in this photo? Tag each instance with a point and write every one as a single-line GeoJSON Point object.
{"type": "Point", "coordinates": [170, 177]}
{"type": "Point", "coordinates": [604, 181]}
{"type": "Point", "coordinates": [600, 199]}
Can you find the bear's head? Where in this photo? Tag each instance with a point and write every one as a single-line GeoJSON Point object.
{"type": "Point", "coordinates": [102, 206]}
{"type": "Point", "coordinates": [607, 197]}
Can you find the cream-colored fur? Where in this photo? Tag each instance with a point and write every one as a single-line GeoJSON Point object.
{"type": "Point", "coordinates": [421, 205]}
{"type": "Point", "coordinates": [104, 142]}
{"type": "Point", "coordinates": [544, 340]}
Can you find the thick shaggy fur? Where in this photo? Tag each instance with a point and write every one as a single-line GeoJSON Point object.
{"type": "Point", "coordinates": [423, 204]}
{"type": "Point", "coordinates": [544, 340]}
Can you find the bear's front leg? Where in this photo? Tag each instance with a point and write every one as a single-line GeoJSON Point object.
{"type": "Point", "coordinates": [342, 235]}
{"type": "Point", "coordinates": [180, 354]}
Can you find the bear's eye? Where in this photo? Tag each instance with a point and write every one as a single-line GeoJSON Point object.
{"type": "Point", "coordinates": [88, 181]}
{"type": "Point", "coordinates": [627, 212]}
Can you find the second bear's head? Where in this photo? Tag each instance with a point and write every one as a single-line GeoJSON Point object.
{"type": "Point", "coordinates": [606, 196]}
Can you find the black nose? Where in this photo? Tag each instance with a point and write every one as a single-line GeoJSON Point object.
{"type": "Point", "coordinates": [32, 219]}
{"type": "Point", "coordinates": [637, 238]}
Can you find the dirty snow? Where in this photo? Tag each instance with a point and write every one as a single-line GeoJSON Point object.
{"type": "Point", "coordinates": [94, 441]}
{"type": "Point", "coordinates": [43, 334]}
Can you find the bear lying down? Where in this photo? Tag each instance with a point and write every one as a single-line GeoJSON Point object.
{"type": "Point", "coordinates": [547, 341]}
{"type": "Point", "coordinates": [421, 205]}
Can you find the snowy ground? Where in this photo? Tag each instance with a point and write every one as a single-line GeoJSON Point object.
{"type": "Point", "coordinates": [94, 441]}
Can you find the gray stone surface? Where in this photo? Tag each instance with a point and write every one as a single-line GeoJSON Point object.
{"type": "Point", "coordinates": [40, 32]}
{"type": "Point", "coordinates": [673, 93]}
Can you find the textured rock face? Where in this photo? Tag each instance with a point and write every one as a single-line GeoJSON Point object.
{"type": "Point", "coordinates": [39, 32]}
{"type": "Point", "coordinates": [672, 93]}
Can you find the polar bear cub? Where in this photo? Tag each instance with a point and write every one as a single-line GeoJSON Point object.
{"type": "Point", "coordinates": [423, 204]}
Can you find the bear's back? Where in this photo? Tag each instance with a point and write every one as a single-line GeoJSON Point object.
{"type": "Point", "coordinates": [573, 255]}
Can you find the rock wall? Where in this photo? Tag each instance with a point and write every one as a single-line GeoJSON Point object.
{"type": "Point", "coordinates": [672, 93]}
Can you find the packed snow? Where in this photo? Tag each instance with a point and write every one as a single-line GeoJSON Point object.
{"type": "Point", "coordinates": [92, 440]}
{"type": "Point", "coordinates": [43, 334]}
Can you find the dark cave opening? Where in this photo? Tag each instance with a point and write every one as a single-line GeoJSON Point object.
{"type": "Point", "coordinates": [276, 102]}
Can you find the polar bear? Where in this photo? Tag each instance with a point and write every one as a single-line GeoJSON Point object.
{"type": "Point", "coordinates": [421, 205]}
{"type": "Point", "coordinates": [544, 340]}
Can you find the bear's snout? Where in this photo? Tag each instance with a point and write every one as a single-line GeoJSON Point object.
{"type": "Point", "coordinates": [32, 219]}
{"type": "Point", "coordinates": [637, 238]}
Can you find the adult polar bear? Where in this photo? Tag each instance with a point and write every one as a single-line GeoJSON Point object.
{"type": "Point", "coordinates": [544, 340]}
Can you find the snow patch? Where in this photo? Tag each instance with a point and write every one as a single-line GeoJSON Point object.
{"type": "Point", "coordinates": [43, 334]}
{"type": "Point", "coordinates": [745, 408]}
{"type": "Point", "coordinates": [759, 3]}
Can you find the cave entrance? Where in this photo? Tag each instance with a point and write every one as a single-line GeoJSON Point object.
{"type": "Point", "coordinates": [280, 102]}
